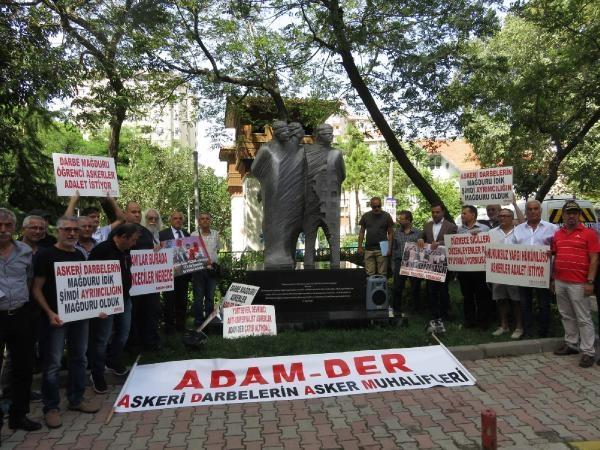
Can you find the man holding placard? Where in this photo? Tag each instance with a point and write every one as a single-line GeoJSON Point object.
{"type": "Point", "coordinates": [575, 264]}
{"type": "Point", "coordinates": [54, 331]}
{"type": "Point", "coordinates": [477, 304]}
{"type": "Point", "coordinates": [534, 231]}
{"type": "Point", "coordinates": [116, 248]}
{"type": "Point", "coordinates": [437, 291]}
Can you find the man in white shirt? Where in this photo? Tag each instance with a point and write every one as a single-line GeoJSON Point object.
{"type": "Point", "coordinates": [204, 282]}
{"type": "Point", "coordinates": [534, 231]}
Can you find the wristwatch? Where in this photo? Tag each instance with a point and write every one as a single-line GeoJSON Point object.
{"type": "Point", "coordinates": [590, 281]}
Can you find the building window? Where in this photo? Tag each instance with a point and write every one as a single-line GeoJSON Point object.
{"type": "Point", "coordinates": [435, 162]}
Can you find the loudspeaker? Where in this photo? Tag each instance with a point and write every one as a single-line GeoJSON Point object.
{"type": "Point", "coordinates": [377, 293]}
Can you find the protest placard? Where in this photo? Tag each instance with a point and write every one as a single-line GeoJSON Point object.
{"type": "Point", "coordinates": [239, 294]}
{"type": "Point", "coordinates": [188, 255]}
{"type": "Point", "coordinates": [199, 382]}
{"type": "Point", "coordinates": [93, 176]}
{"type": "Point", "coordinates": [249, 320]}
{"type": "Point", "coordinates": [487, 186]}
{"type": "Point", "coordinates": [84, 289]}
{"type": "Point", "coordinates": [518, 265]}
{"type": "Point", "coordinates": [426, 263]}
{"type": "Point", "coordinates": [151, 271]}
{"type": "Point", "coordinates": [466, 252]}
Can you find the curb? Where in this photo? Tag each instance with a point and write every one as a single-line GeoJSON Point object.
{"type": "Point", "coordinates": [502, 349]}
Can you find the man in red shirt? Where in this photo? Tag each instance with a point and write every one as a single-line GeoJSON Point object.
{"type": "Point", "coordinates": [575, 263]}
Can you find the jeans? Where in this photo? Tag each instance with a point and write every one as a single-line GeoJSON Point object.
{"type": "Point", "coordinates": [53, 345]}
{"type": "Point", "coordinates": [544, 298]}
{"type": "Point", "coordinates": [399, 282]}
{"type": "Point", "coordinates": [100, 351]}
{"type": "Point", "coordinates": [204, 295]}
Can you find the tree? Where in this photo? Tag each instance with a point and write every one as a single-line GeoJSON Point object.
{"type": "Point", "coordinates": [172, 186]}
{"type": "Point", "coordinates": [358, 160]}
{"type": "Point", "coordinates": [530, 95]}
{"type": "Point", "coordinates": [111, 39]}
{"type": "Point", "coordinates": [32, 73]}
{"type": "Point", "coordinates": [406, 50]}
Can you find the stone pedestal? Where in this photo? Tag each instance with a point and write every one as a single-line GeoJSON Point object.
{"type": "Point", "coordinates": [312, 295]}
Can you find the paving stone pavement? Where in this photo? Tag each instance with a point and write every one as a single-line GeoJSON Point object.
{"type": "Point", "coordinates": [542, 401]}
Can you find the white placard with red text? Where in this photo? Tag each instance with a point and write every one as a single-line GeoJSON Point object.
{"type": "Point", "coordinates": [151, 271]}
{"type": "Point", "coordinates": [466, 252]}
{"type": "Point", "coordinates": [491, 186]}
{"type": "Point", "coordinates": [250, 320]}
{"type": "Point", "coordinates": [205, 382]}
{"type": "Point", "coordinates": [518, 265]}
{"type": "Point", "coordinates": [239, 294]}
{"type": "Point", "coordinates": [92, 176]}
{"type": "Point", "coordinates": [84, 289]}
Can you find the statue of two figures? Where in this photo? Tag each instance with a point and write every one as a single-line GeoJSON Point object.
{"type": "Point", "coordinates": [300, 189]}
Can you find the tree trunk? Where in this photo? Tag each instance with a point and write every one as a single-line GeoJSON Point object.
{"type": "Point", "coordinates": [359, 85]}
{"type": "Point", "coordinates": [551, 177]}
{"type": "Point", "coordinates": [116, 123]}
{"type": "Point", "coordinates": [358, 213]}
{"type": "Point", "coordinates": [282, 112]}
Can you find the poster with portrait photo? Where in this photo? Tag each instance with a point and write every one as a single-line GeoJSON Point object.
{"type": "Point", "coordinates": [426, 263]}
{"type": "Point", "coordinates": [188, 255]}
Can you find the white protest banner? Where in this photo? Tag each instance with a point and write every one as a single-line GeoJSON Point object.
{"type": "Point", "coordinates": [466, 252]}
{"type": "Point", "coordinates": [487, 186]}
{"type": "Point", "coordinates": [425, 262]}
{"type": "Point", "coordinates": [518, 265]}
{"type": "Point", "coordinates": [84, 289]}
{"type": "Point", "coordinates": [250, 320]}
{"type": "Point", "coordinates": [92, 176]}
{"type": "Point", "coordinates": [239, 294]}
{"type": "Point", "coordinates": [199, 382]}
{"type": "Point", "coordinates": [151, 271]}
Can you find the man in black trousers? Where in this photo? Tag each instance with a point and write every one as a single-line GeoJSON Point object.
{"type": "Point", "coordinates": [176, 301]}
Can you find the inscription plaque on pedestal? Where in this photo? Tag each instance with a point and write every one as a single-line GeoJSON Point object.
{"type": "Point", "coordinates": [315, 294]}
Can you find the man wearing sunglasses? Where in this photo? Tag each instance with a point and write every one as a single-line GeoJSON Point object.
{"type": "Point", "coordinates": [55, 331]}
{"type": "Point", "coordinates": [378, 226]}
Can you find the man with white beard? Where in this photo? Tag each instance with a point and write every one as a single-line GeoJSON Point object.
{"type": "Point", "coordinates": [153, 222]}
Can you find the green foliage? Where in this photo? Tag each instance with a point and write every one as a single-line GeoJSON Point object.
{"type": "Point", "coordinates": [261, 111]}
{"type": "Point", "coordinates": [530, 95]}
{"type": "Point", "coordinates": [163, 178]}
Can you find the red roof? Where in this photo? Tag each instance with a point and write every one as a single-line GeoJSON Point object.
{"type": "Point", "coordinates": [458, 152]}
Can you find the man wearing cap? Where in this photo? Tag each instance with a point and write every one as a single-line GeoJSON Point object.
{"type": "Point", "coordinates": [575, 250]}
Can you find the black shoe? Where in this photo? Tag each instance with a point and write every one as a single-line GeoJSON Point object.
{"type": "Point", "coordinates": [564, 350]}
{"type": "Point", "coordinates": [118, 369]}
{"type": "Point", "coordinates": [99, 384]}
{"type": "Point", "coordinates": [23, 423]}
{"type": "Point", "coordinates": [35, 397]}
{"type": "Point", "coordinates": [586, 361]}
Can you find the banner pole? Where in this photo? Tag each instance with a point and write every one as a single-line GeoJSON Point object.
{"type": "Point", "coordinates": [112, 411]}
{"type": "Point", "coordinates": [457, 361]}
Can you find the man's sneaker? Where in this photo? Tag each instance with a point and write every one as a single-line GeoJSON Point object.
{"type": "Point", "coordinates": [500, 331]}
{"type": "Point", "coordinates": [53, 419]}
{"type": "Point", "coordinates": [565, 349]}
{"type": "Point", "coordinates": [517, 334]}
{"type": "Point", "coordinates": [99, 384]}
{"type": "Point", "coordinates": [586, 361]}
{"type": "Point", "coordinates": [118, 369]}
{"type": "Point", "coordinates": [432, 327]}
{"type": "Point", "coordinates": [439, 326]}
{"type": "Point", "coordinates": [85, 406]}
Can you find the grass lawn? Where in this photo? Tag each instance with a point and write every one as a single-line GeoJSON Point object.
{"type": "Point", "coordinates": [338, 338]}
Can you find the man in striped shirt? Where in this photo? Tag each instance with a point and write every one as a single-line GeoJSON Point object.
{"type": "Point", "coordinates": [576, 260]}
